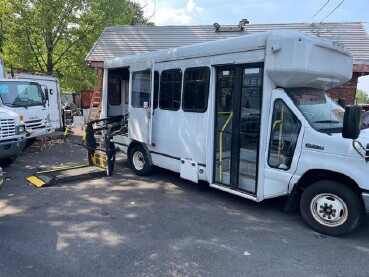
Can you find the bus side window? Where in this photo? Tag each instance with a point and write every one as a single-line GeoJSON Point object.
{"type": "Point", "coordinates": [196, 89]}
{"type": "Point", "coordinates": [141, 88]}
{"type": "Point", "coordinates": [284, 134]}
{"type": "Point", "coordinates": [156, 89]}
{"type": "Point", "coordinates": [126, 92]}
{"type": "Point", "coordinates": [170, 89]}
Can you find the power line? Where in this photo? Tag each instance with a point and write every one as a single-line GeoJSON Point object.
{"type": "Point", "coordinates": [333, 10]}
{"type": "Point", "coordinates": [320, 9]}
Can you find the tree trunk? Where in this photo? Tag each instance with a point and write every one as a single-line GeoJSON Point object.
{"type": "Point", "coordinates": [50, 49]}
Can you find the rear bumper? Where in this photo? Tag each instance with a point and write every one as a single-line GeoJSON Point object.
{"type": "Point", "coordinates": [365, 196]}
{"type": "Point", "coordinates": [11, 148]}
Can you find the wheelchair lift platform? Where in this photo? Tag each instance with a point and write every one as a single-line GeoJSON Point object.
{"type": "Point", "coordinates": [66, 174]}
{"type": "Point", "coordinates": [101, 156]}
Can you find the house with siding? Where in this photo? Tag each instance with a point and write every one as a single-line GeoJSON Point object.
{"type": "Point", "coordinates": [119, 41]}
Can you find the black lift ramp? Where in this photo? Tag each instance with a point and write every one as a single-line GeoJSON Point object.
{"type": "Point", "coordinates": [100, 152]}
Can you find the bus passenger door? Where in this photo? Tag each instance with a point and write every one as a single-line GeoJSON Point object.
{"type": "Point", "coordinates": [117, 91]}
{"type": "Point", "coordinates": [237, 126]}
{"type": "Point", "coordinates": [141, 99]}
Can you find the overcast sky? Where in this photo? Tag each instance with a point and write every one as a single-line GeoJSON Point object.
{"type": "Point", "coordinates": [206, 12]}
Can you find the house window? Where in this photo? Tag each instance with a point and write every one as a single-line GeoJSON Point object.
{"type": "Point", "coordinates": [196, 89]}
{"type": "Point", "coordinates": [170, 89]}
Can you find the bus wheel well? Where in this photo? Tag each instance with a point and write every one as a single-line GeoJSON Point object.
{"type": "Point", "coordinates": [312, 176]}
{"type": "Point", "coordinates": [315, 175]}
{"type": "Point", "coordinates": [133, 144]}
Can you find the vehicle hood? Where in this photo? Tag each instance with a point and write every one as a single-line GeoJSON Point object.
{"type": "Point", "coordinates": [5, 113]}
{"type": "Point", "coordinates": [334, 144]}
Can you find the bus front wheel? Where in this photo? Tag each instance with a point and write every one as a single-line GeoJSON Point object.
{"type": "Point", "coordinates": [139, 161]}
{"type": "Point", "coordinates": [331, 208]}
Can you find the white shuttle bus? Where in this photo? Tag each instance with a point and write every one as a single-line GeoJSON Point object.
{"type": "Point", "coordinates": [250, 116]}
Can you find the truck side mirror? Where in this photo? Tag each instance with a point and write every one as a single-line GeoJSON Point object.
{"type": "Point", "coordinates": [342, 102]}
{"type": "Point", "coordinates": [351, 122]}
{"type": "Point", "coordinates": [46, 94]}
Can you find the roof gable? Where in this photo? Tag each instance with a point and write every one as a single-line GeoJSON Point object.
{"type": "Point", "coordinates": [118, 41]}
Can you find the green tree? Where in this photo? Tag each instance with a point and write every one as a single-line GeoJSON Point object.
{"type": "Point", "coordinates": [362, 97]}
{"type": "Point", "coordinates": [54, 36]}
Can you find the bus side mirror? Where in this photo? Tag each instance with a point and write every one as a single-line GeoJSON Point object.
{"type": "Point", "coordinates": [351, 122]}
{"type": "Point", "coordinates": [342, 102]}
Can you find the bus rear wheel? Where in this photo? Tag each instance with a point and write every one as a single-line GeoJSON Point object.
{"type": "Point", "coordinates": [331, 208]}
{"type": "Point", "coordinates": [139, 161]}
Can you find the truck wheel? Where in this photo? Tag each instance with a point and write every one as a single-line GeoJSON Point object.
{"type": "Point", "coordinates": [331, 208]}
{"type": "Point", "coordinates": [139, 161]}
{"type": "Point", "coordinates": [7, 161]}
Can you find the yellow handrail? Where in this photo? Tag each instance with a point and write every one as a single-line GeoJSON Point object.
{"type": "Point", "coordinates": [280, 137]}
{"type": "Point", "coordinates": [221, 144]}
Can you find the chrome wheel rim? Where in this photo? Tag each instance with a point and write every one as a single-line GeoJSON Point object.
{"type": "Point", "coordinates": [329, 209]}
{"type": "Point", "coordinates": [138, 160]}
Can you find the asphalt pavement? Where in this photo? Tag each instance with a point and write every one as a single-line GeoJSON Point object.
{"type": "Point", "coordinates": [158, 225]}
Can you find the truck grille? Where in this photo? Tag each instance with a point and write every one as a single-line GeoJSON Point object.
{"type": "Point", "coordinates": [7, 128]}
{"type": "Point", "coordinates": [34, 124]}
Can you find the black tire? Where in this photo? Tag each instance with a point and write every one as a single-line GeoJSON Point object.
{"type": "Point", "coordinates": [331, 208]}
{"type": "Point", "coordinates": [110, 161]}
{"type": "Point", "coordinates": [139, 161]}
{"type": "Point", "coordinates": [8, 161]}
{"type": "Point", "coordinates": [30, 141]}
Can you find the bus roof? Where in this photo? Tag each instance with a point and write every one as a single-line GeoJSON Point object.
{"type": "Point", "coordinates": [229, 45]}
{"type": "Point", "coordinates": [223, 46]}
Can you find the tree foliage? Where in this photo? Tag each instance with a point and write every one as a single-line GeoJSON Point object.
{"type": "Point", "coordinates": [362, 97]}
{"type": "Point", "coordinates": [54, 36]}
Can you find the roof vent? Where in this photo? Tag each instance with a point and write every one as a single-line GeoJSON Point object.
{"type": "Point", "coordinates": [243, 22]}
{"type": "Point", "coordinates": [231, 28]}
{"type": "Point", "coordinates": [216, 26]}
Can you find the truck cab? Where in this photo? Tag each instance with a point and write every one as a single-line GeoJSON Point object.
{"type": "Point", "coordinates": [27, 99]}
{"type": "Point", "coordinates": [12, 136]}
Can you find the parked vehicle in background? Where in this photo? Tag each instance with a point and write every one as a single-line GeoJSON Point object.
{"type": "Point", "coordinates": [365, 115]}
{"type": "Point", "coordinates": [12, 136]}
{"type": "Point", "coordinates": [50, 86]}
{"type": "Point", "coordinates": [250, 116]}
{"type": "Point", "coordinates": [27, 99]}
{"type": "Point", "coordinates": [35, 98]}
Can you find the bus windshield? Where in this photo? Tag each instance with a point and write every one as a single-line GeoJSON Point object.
{"type": "Point", "coordinates": [323, 114]}
{"type": "Point", "coordinates": [21, 94]}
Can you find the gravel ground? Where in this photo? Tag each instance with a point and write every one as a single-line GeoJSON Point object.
{"type": "Point", "coordinates": [41, 144]}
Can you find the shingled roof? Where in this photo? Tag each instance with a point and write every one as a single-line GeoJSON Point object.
{"type": "Point", "coordinates": [118, 41]}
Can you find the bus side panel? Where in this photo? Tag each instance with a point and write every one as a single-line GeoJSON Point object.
{"type": "Point", "coordinates": [180, 134]}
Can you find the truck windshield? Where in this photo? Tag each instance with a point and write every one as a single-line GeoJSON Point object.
{"type": "Point", "coordinates": [21, 94]}
{"type": "Point", "coordinates": [323, 114]}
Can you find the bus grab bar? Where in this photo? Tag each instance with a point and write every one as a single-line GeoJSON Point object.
{"type": "Point", "coordinates": [280, 121]}
{"type": "Point", "coordinates": [221, 144]}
